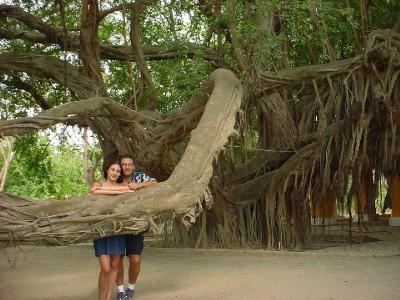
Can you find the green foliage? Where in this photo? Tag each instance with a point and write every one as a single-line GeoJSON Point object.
{"type": "Point", "coordinates": [39, 170]}
{"type": "Point", "coordinates": [118, 80]}
{"type": "Point", "coordinates": [67, 175]}
{"type": "Point", "coordinates": [30, 170]}
{"type": "Point", "coordinates": [178, 81]}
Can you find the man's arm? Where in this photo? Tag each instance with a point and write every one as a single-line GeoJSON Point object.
{"type": "Point", "coordinates": [142, 185]}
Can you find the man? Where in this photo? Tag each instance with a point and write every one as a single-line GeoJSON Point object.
{"type": "Point", "coordinates": [133, 243]}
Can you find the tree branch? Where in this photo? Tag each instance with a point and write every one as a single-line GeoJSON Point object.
{"type": "Point", "coordinates": [50, 67]}
{"type": "Point", "coordinates": [39, 99]}
{"type": "Point", "coordinates": [376, 50]}
{"type": "Point", "coordinates": [138, 51]}
{"type": "Point", "coordinates": [31, 21]}
{"type": "Point", "coordinates": [114, 52]}
{"type": "Point", "coordinates": [92, 107]}
{"type": "Point", "coordinates": [89, 45]}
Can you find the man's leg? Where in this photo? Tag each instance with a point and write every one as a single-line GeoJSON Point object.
{"type": "Point", "coordinates": [120, 276]}
{"type": "Point", "coordinates": [134, 248]}
{"type": "Point", "coordinates": [134, 268]}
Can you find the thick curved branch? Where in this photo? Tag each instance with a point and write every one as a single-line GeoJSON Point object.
{"type": "Point", "coordinates": [71, 111]}
{"type": "Point", "coordinates": [35, 37]}
{"type": "Point", "coordinates": [120, 53]}
{"type": "Point", "coordinates": [187, 49]}
{"type": "Point", "coordinates": [50, 67]}
{"type": "Point", "coordinates": [83, 218]}
{"type": "Point", "coordinates": [272, 80]}
{"type": "Point", "coordinates": [376, 50]}
{"type": "Point", "coordinates": [31, 21]}
{"type": "Point", "coordinates": [181, 122]}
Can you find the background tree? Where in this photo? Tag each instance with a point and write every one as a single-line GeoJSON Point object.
{"type": "Point", "coordinates": [7, 153]}
{"type": "Point", "coordinates": [319, 105]}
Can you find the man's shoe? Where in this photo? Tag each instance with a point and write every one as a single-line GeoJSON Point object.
{"type": "Point", "coordinates": [129, 294]}
{"type": "Point", "coordinates": [120, 296]}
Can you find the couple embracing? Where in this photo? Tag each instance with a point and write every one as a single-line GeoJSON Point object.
{"type": "Point", "coordinates": [120, 177]}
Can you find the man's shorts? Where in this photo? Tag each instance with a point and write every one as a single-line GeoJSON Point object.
{"type": "Point", "coordinates": [111, 245]}
{"type": "Point", "coordinates": [134, 244]}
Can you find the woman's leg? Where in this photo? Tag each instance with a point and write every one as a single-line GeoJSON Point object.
{"type": "Point", "coordinates": [112, 277]}
{"type": "Point", "coordinates": [105, 267]}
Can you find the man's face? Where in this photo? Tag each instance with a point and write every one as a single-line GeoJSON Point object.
{"type": "Point", "coordinates": [128, 166]}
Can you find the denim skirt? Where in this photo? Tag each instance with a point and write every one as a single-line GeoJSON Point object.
{"type": "Point", "coordinates": [110, 245]}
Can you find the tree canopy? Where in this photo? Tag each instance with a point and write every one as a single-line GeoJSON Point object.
{"type": "Point", "coordinates": [315, 84]}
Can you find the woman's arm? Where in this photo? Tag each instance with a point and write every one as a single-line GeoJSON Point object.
{"type": "Point", "coordinates": [97, 189]}
{"type": "Point", "coordinates": [110, 192]}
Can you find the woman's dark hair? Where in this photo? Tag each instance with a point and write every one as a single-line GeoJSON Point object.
{"type": "Point", "coordinates": [114, 161]}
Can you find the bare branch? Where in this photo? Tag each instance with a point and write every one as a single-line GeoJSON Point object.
{"type": "Point", "coordinates": [92, 107]}
{"type": "Point", "coordinates": [50, 67]}
{"type": "Point", "coordinates": [30, 20]}
{"type": "Point", "coordinates": [12, 34]}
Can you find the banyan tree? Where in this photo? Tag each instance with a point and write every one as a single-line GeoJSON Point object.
{"type": "Point", "coordinates": [297, 100]}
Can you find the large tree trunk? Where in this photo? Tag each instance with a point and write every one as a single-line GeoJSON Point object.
{"type": "Point", "coordinates": [182, 195]}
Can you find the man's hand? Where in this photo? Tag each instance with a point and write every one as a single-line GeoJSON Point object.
{"type": "Point", "coordinates": [134, 186]}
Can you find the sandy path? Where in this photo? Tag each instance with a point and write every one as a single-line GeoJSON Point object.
{"type": "Point", "coordinates": [361, 272]}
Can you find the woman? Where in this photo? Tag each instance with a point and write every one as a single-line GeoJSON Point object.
{"type": "Point", "coordinates": [109, 249]}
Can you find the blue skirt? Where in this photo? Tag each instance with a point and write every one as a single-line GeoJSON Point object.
{"type": "Point", "coordinates": [110, 245]}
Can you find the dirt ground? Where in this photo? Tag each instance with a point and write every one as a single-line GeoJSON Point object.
{"type": "Point", "coordinates": [359, 271]}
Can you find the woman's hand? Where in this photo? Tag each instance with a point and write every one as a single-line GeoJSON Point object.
{"type": "Point", "coordinates": [95, 188]}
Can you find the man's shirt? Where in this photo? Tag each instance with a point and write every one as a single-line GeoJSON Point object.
{"type": "Point", "coordinates": [139, 177]}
